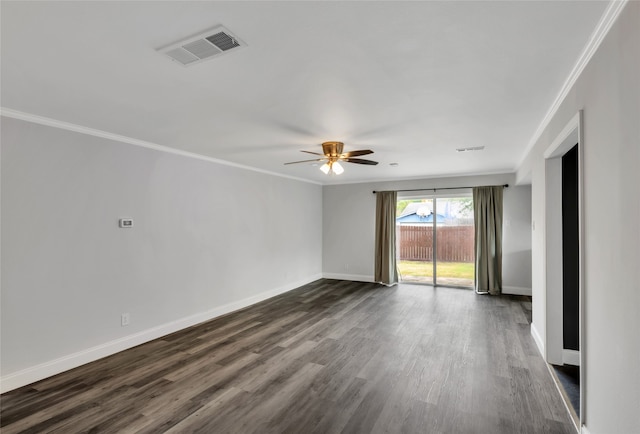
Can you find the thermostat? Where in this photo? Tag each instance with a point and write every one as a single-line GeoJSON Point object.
{"type": "Point", "coordinates": [126, 223]}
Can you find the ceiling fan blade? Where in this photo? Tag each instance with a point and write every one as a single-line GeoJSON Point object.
{"type": "Point", "coordinates": [357, 153]}
{"type": "Point", "coordinates": [359, 161]}
{"type": "Point", "coordinates": [306, 161]}
{"type": "Point", "coordinates": [314, 153]}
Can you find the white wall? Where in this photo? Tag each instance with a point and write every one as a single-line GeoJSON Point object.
{"type": "Point", "coordinates": [553, 261]}
{"type": "Point", "coordinates": [516, 249]}
{"type": "Point", "coordinates": [207, 238]}
{"type": "Point", "coordinates": [349, 224]}
{"type": "Point", "coordinates": [608, 90]}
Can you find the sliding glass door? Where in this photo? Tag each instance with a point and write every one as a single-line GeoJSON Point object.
{"type": "Point", "coordinates": [414, 237]}
{"type": "Point", "coordinates": [435, 240]}
{"type": "Point", "coordinates": [454, 242]}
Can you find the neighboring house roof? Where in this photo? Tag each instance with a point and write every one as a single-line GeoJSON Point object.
{"type": "Point", "coordinates": [415, 218]}
{"type": "Point", "coordinates": [413, 207]}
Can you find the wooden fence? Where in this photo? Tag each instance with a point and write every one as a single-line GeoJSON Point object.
{"type": "Point", "coordinates": [455, 243]}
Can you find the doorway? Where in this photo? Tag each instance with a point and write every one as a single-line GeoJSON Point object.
{"type": "Point", "coordinates": [435, 240]}
{"type": "Point", "coordinates": [564, 330]}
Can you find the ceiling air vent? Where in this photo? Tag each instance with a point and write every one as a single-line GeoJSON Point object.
{"type": "Point", "coordinates": [470, 149]}
{"type": "Point", "coordinates": [207, 45]}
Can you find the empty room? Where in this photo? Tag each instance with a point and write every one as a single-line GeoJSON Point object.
{"type": "Point", "coordinates": [320, 217]}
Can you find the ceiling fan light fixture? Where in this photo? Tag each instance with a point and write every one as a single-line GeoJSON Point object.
{"type": "Point", "coordinates": [332, 168]}
{"type": "Point", "coordinates": [337, 168]}
{"type": "Point", "coordinates": [332, 157]}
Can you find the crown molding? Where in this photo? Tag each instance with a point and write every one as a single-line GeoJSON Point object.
{"type": "Point", "coordinates": [506, 171]}
{"type": "Point", "coordinates": [41, 120]}
{"type": "Point", "coordinates": [604, 25]}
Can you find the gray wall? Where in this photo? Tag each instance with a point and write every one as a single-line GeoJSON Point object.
{"type": "Point", "coordinates": [349, 222]}
{"type": "Point", "coordinates": [207, 238]}
{"type": "Point", "coordinates": [608, 92]}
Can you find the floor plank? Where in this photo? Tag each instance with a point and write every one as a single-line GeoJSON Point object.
{"type": "Point", "coordinates": [329, 357]}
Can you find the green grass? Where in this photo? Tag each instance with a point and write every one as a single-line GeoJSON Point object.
{"type": "Point", "coordinates": [458, 270]}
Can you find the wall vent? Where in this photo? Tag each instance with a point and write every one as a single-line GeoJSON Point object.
{"type": "Point", "coordinates": [470, 149]}
{"type": "Point", "coordinates": [204, 46]}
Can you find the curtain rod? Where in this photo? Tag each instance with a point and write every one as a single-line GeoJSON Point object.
{"type": "Point", "coordinates": [447, 188]}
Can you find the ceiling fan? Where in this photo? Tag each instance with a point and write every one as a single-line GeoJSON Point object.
{"type": "Point", "coordinates": [332, 156]}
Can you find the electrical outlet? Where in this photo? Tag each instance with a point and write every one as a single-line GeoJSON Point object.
{"type": "Point", "coordinates": [125, 319]}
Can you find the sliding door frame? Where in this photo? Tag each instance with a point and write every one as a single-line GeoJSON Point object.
{"type": "Point", "coordinates": [462, 192]}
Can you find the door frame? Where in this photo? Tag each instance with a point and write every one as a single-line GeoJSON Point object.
{"type": "Point", "coordinates": [571, 135]}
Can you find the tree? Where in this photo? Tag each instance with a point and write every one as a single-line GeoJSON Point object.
{"type": "Point", "coordinates": [401, 205]}
{"type": "Point", "coordinates": [466, 209]}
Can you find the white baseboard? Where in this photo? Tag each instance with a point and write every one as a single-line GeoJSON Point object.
{"type": "Point", "coordinates": [571, 357]}
{"type": "Point", "coordinates": [352, 277]}
{"type": "Point", "coordinates": [516, 290]}
{"type": "Point", "coordinates": [584, 430]}
{"type": "Point", "coordinates": [65, 363]}
{"type": "Point", "coordinates": [538, 339]}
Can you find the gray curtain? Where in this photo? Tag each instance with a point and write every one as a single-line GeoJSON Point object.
{"type": "Point", "coordinates": [487, 213]}
{"type": "Point", "coordinates": [385, 270]}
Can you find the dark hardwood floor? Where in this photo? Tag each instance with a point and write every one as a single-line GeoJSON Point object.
{"type": "Point", "coordinates": [329, 357]}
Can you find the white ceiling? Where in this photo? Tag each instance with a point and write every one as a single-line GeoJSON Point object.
{"type": "Point", "coordinates": [412, 81]}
